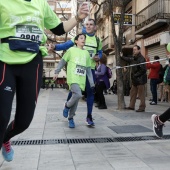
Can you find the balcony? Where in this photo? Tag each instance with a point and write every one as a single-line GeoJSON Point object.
{"type": "Point", "coordinates": [108, 44]}
{"type": "Point", "coordinates": [153, 16]}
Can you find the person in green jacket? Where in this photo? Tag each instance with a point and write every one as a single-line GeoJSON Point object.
{"type": "Point", "coordinates": [78, 66]}
{"type": "Point", "coordinates": [22, 24]}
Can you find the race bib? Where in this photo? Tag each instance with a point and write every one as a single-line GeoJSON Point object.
{"type": "Point", "coordinates": [91, 52]}
{"type": "Point", "coordinates": [30, 32]}
{"type": "Point", "coordinates": [80, 70]}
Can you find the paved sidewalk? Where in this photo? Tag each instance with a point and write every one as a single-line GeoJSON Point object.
{"type": "Point", "coordinates": [49, 124]}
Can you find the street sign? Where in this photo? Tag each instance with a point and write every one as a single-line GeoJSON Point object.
{"type": "Point", "coordinates": [128, 19]}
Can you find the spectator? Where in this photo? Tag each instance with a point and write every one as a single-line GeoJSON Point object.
{"type": "Point", "coordinates": [102, 82]}
{"type": "Point", "coordinates": [139, 79]}
{"type": "Point", "coordinates": [154, 77]}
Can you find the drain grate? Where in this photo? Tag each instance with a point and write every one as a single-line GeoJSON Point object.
{"type": "Point", "coordinates": [86, 140]}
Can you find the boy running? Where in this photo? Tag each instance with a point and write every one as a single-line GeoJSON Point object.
{"type": "Point", "coordinates": [78, 65]}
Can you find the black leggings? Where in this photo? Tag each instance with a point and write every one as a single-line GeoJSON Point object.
{"type": "Point", "coordinates": [99, 89]}
{"type": "Point", "coordinates": [165, 116]}
{"type": "Point", "coordinates": [24, 80]}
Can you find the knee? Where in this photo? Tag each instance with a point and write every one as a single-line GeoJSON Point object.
{"type": "Point", "coordinates": [22, 126]}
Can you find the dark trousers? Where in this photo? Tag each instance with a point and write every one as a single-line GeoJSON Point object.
{"type": "Point", "coordinates": [165, 116]}
{"type": "Point", "coordinates": [153, 87]}
{"type": "Point", "coordinates": [100, 88]}
{"type": "Point", "coordinates": [25, 80]}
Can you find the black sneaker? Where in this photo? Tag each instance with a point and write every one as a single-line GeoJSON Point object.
{"type": "Point", "coordinates": [157, 126]}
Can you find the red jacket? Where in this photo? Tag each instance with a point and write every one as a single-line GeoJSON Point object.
{"type": "Point", "coordinates": [154, 69]}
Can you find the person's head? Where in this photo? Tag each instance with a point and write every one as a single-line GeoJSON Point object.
{"type": "Point", "coordinates": [90, 26]}
{"type": "Point", "coordinates": [136, 50]}
{"type": "Point", "coordinates": [103, 59]}
{"type": "Point", "coordinates": [156, 57]}
{"type": "Point", "coordinates": [79, 40]}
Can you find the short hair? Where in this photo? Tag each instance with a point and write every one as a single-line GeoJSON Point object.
{"type": "Point", "coordinates": [156, 57]}
{"type": "Point", "coordinates": [77, 36]}
{"type": "Point", "coordinates": [103, 59]}
{"type": "Point", "coordinates": [137, 46]}
{"type": "Point", "coordinates": [91, 19]}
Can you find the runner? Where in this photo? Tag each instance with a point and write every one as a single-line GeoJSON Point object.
{"type": "Point", "coordinates": [78, 65]}
{"type": "Point", "coordinates": [22, 35]}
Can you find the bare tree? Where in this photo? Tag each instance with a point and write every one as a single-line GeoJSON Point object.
{"type": "Point", "coordinates": [117, 38]}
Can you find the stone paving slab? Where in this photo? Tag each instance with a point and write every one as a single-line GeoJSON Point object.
{"type": "Point", "coordinates": [48, 123]}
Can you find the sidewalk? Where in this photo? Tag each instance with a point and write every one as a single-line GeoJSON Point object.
{"type": "Point", "coordinates": [96, 152]}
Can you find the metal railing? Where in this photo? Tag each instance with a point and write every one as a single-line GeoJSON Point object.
{"type": "Point", "coordinates": [158, 9]}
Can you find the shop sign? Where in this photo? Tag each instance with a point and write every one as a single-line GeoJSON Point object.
{"type": "Point", "coordinates": [152, 39]}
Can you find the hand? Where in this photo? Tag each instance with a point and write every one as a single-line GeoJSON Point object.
{"type": "Point", "coordinates": [83, 11]}
{"type": "Point", "coordinates": [51, 47]}
{"type": "Point", "coordinates": [96, 58]}
{"type": "Point", "coordinates": [55, 77]}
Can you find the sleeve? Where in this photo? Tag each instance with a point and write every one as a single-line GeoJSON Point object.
{"type": "Point", "coordinates": [142, 68]}
{"type": "Point", "coordinates": [152, 65]}
{"type": "Point", "coordinates": [60, 65]}
{"type": "Point", "coordinates": [102, 72]}
{"type": "Point", "coordinates": [64, 46]}
{"type": "Point", "coordinates": [50, 18]}
{"type": "Point", "coordinates": [127, 59]}
{"type": "Point", "coordinates": [67, 55]}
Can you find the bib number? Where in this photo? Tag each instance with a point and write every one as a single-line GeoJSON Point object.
{"type": "Point", "coordinates": [91, 52]}
{"type": "Point", "coordinates": [80, 70]}
{"type": "Point", "coordinates": [29, 32]}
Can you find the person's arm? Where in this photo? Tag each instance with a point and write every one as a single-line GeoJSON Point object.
{"type": "Point", "coordinates": [142, 68]}
{"type": "Point", "coordinates": [60, 65]}
{"type": "Point", "coordinates": [64, 46]}
{"type": "Point", "coordinates": [103, 70]}
{"type": "Point", "coordinates": [52, 22]}
{"type": "Point", "coordinates": [90, 76]}
{"type": "Point", "coordinates": [127, 59]}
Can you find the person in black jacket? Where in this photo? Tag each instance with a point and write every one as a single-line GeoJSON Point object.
{"type": "Point", "coordinates": [138, 78]}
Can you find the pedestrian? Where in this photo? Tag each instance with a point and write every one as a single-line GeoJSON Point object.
{"type": "Point", "coordinates": [94, 46]}
{"type": "Point", "coordinates": [78, 65]}
{"type": "Point", "coordinates": [102, 82]}
{"type": "Point", "coordinates": [138, 78]}
{"type": "Point", "coordinates": [154, 68]}
{"type": "Point", "coordinates": [22, 25]}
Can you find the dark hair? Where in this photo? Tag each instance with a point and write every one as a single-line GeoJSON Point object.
{"type": "Point", "coordinates": [77, 36]}
{"type": "Point", "coordinates": [103, 59]}
{"type": "Point", "coordinates": [156, 57]}
{"type": "Point", "coordinates": [90, 19]}
{"type": "Point", "coordinates": [137, 46]}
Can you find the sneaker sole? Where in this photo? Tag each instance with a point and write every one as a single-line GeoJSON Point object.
{"type": "Point", "coordinates": [89, 124]}
{"type": "Point", "coordinates": [153, 127]}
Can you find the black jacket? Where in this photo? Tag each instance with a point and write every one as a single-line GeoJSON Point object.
{"type": "Point", "coordinates": [138, 73]}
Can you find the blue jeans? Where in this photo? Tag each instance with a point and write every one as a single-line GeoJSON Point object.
{"type": "Point", "coordinates": [153, 86]}
{"type": "Point", "coordinates": [89, 92]}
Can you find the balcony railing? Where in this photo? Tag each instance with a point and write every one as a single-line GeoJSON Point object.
{"type": "Point", "coordinates": [158, 9]}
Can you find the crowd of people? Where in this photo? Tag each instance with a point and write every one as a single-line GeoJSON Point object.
{"type": "Point", "coordinates": [21, 68]}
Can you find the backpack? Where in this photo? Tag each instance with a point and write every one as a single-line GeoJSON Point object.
{"type": "Point", "coordinates": [161, 74]}
{"type": "Point", "coordinates": [108, 72]}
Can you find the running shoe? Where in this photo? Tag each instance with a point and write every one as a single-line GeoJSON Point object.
{"type": "Point", "coordinates": [7, 151]}
{"type": "Point", "coordinates": [89, 121]}
{"type": "Point", "coordinates": [71, 123]}
{"type": "Point", "coordinates": [157, 126]}
{"type": "Point", "coordinates": [65, 111]}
